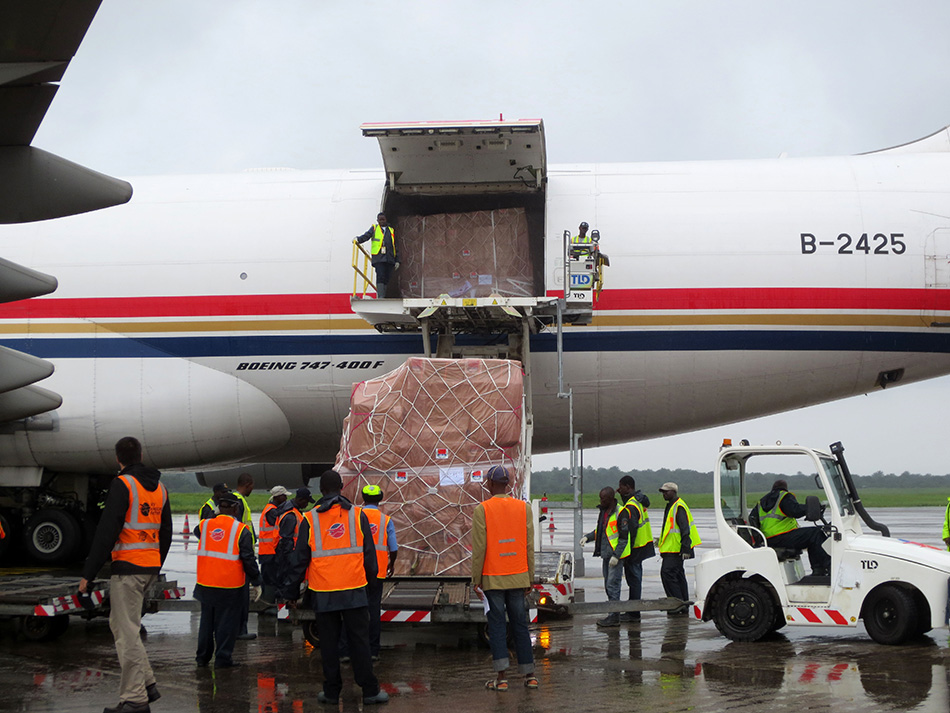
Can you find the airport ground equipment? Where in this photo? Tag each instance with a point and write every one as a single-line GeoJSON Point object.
{"type": "Point", "coordinates": [898, 588]}
{"type": "Point", "coordinates": [40, 603]}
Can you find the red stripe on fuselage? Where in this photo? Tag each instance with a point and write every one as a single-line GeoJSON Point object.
{"type": "Point", "coordinates": [701, 299]}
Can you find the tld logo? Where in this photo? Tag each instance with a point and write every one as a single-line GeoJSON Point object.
{"type": "Point", "coordinates": [581, 281]}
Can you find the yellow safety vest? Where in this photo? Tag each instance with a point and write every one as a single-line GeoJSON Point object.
{"type": "Point", "coordinates": [775, 522]}
{"type": "Point", "coordinates": [246, 518]}
{"type": "Point", "coordinates": [671, 539]}
{"type": "Point", "coordinates": [946, 523]}
{"type": "Point", "coordinates": [613, 537]}
{"type": "Point", "coordinates": [644, 531]}
{"type": "Point", "coordinates": [378, 235]}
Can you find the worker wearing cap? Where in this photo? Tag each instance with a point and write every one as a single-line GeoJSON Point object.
{"type": "Point", "coordinates": [288, 526]}
{"type": "Point", "coordinates": [582, 243]}
{"type": "Point", "coordinates": [384, 539]}
{"type": "Point", "coordinates": [383, 250]}
{"type": "Point", "coordinates": [210, 508]}
{"type": "Point", "coordinates": [677, 539]}
{"type": "Point", "coordinates": [135, 531]}
{"type": "Point", "coordinates": [267, 539]}
{"type": "Point", "coordinates": [503, 572]}
{"type": "Point", "coordinates": [225, 564]}
{"type": "Point", "coordinates": [336, 555]}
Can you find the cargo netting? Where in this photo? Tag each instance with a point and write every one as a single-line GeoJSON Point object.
{"type": "Point", "coordinates": [475, 254]}
{"type": "Point", "coordinates": [427, 433]}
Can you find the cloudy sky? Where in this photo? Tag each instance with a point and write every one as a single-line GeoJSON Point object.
{"type": "Point", "coordinates": [178, 86]}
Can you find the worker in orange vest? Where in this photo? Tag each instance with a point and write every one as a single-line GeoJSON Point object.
{"type": "Point", "coordinates": [387, 549]}
{"type": "Point", "coordinates": [336, 554]}
{"type": "Point", "coordinates": [288, 526]}
{"type": "Point", "coordinates": [135, 532]}
{"type": "Point", "coordinates": [267, 538]}
{"type": "Point", "coordinates": [503, 571]}
{"type": "Point", "coordinates": [225, 563]}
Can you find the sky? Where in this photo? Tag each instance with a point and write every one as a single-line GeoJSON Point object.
{"type": "Point", "coordinates": [184, 87]}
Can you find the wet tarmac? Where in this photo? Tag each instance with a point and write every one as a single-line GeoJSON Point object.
{"type": "Point", "coordinates": [662, 663]}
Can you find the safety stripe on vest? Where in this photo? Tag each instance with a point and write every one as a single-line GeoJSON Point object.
{"type": "Point", "coordinates": [318, 550]}
{"type": "Point", "coordinates": [383, 544]}
{"type": "Point", "coordinates": [232, 538]}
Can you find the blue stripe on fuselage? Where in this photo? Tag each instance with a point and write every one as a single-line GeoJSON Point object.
{"type": "Point", "coordinates": [409, 344]}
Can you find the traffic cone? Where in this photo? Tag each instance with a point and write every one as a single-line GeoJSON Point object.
{"type": "Point", "coordinates": [187, 530]}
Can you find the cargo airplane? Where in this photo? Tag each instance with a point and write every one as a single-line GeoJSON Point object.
{"type": "Point", "coordinates": [211, 315]}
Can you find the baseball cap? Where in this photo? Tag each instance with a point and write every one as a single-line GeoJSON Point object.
{"type": "Point", "coordinates": [584, 225]}
{"type": "Point", "coordinates": [498, 474]}
{"type": "Point", "coordinates": [278, 490]}
{"type": "Point", "coordinates": [220, 488]}
{"type": "Point", "coordinates": [372, 490]}
{"type": "Point", "coordinates": [669, 486]}
{"type": "Point", "coordinates": [305, 493]}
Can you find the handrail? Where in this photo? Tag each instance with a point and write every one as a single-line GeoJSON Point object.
{"type": "Point", "coordinates": [359, 272]}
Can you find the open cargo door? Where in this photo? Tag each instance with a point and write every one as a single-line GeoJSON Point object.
{"type": "Point", "coordinates": [467, 202]}
{"type": "Point", "coordinates": [462, 157]}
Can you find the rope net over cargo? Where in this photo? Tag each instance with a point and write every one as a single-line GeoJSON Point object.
{"type": "Point", "coordinates": [427, 433]}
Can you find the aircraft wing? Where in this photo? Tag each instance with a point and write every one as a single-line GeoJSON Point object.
{"type": "Point", "coordinates": [37, 42]}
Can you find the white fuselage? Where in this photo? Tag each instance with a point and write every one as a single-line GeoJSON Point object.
{"type": "Point", "coordinates": [211, 317]}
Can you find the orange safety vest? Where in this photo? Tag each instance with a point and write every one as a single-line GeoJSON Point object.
{"type": "Point", "coordinates": [378, 523]}
{"type": "Point", "coordinates": [506, 550]}
{"type": "Point", "coordinates": [219, 553]}
{"type": "Point", "coordinates": [267, 535]}
{"type": "Point", "coordinates": [297, 516]}
{"type": "Point", "coordinates": [336, 550]}
{"type": "Point", "coordinates": [138, 540]}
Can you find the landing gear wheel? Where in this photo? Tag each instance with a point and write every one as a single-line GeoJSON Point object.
{"type": "Point", "coordinates": [311, 633]}
{"type": "Point", "coordinates": [43, 628]}
{"type": "Point", "coordinates": [890, 615]}
{"type": "Point", "coordinates": [52, 536]}
{"type": "Point", "coordinates": [744, 610]}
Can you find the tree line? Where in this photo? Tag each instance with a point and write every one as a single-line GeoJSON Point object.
{"type": "Point", "coordinates": [558, 481]}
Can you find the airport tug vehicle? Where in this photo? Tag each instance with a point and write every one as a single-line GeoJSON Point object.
{"type": "Point", "coordinates": [748, 589]}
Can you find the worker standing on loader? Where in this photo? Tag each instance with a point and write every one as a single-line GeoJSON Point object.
{"type": "Point", "coordinates": [383, 251]}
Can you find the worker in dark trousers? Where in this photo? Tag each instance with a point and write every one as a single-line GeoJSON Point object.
{"type": "Point", "coordinates": [135, 530]}
{"type": "Point", "coordinates": [245, 486]}
{"type": "Point", "coordinates": [383, 252]}
{"type": "Point", "coordinates": [387, 550]}
{"type": "Point", "coordinates": [678, 537]}
{"type": "Point", "coordinates": [267, 540]}
{"type": "Point", "coordinates": [634, 539]}
{"type": "Point", "coordinates": [336, 555]}
{"type": "Point", "coordinates": [225, 563]}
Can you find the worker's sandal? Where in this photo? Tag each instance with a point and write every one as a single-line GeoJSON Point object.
{"type": "Point", "coordinates": [530, 681]}
{"type": "Point", "coordinates": [497, 684]}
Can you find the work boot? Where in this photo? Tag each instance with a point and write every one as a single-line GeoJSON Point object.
{"type": "Point", "coordinates": [151, 691]}
{"type": "Point", "coordinates": [629, 616]}
{"type": "Point", "coordinates": [129, 707]}
{"type": "Point", "coordinates": [381, 290]}
{"type": "Point", "coordinates": [609, 620]}
{"type": "Point", "coordinates": [324, 698]}
{"type": "Point", "coordinates": [380, 697]}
